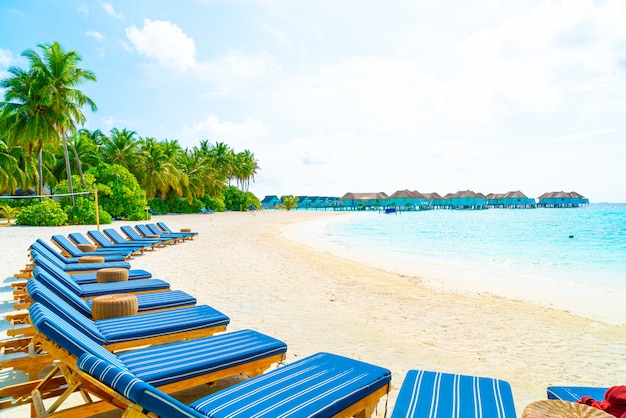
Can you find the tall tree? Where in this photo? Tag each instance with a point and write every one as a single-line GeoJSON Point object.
{"type": "Point", "coordinates": [25, 118]}
{"type": "Point", "coordinates": [159, 175]}
{"type": "Point", "coordinates": [58, 79]}
{"type": "Point", "coordinates": [10, 174]}
{"type": "Point", "coordinates": [121, 147]}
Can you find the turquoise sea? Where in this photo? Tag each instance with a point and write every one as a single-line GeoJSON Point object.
{"type": "Point", "coordinates": [581, 247]}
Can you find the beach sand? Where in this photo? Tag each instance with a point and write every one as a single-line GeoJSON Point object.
{"type": "Point", "coordinates": [259, 270]}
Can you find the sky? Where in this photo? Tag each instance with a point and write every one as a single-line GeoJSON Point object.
{"type": "Point", "coordinates": [337, 96]}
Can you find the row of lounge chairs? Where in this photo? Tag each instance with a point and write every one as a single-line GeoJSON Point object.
{"type": "Point", "coordinates": [135, 362]}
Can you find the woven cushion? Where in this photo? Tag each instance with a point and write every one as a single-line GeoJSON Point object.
{"type": "Point", "coordinates": [111, 275]}
{"type": "Point", "coordinates": [317, 386]}
{"type": "Point", "coordinates": [565, 409]}
{"type": "Point", "coordinates": [88, 248]}
{"type": "Point", "coordinates": [425, 393]}
{"type": "Point", "coordinates": [113, 306]}
{"type": "Point", "coordinates": [91, 259]}
{"type": "Point", "coordinates": [163, 364]}
{"type": "Point", "coordinates": [160, 323]}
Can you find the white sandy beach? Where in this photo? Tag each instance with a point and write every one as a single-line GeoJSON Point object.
{"type": "Point", "coordinates": [261, 271]}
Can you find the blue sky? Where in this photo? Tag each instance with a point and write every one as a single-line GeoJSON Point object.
{"type": "Point", "coordinates": [360, 96]}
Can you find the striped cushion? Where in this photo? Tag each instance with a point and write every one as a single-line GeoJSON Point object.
{"type": "Point", "coordinates": [575, 393]}
{"type": "Point", "coordinates": [432, 394]}
{"type": "Point", "coordinates": [43, 271]}
{"type": "Point", "coordinates": [160, 323]}
{"type": "Point", "coordinates": [66, 335]}
{"type": "Point", "coordinates": [50, 290]}
{"type": "Point", "coordinates": [134, 274]}
{"type": "Point", "coordinates": [163, 364]}
{"type": "Point", "coordinates": [74, 251]}
{"type": "Point", "coordinates": [63, 311]}
{"type": "Point", "coordinates": [164, 300]}
{"type": "Point", "coordinates": [134, 389]}
{"type": "Point", "coordinates": [317, 386]}
{"type": "Point", "coordinates": [98, 289]}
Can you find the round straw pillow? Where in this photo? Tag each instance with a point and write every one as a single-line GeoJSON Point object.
{"type": "Point", "coordinates": [558, 408]}
{"type": "Point", "coordinates": [112, 275]}
{"type": "Point", "coordinates": [113, 306]}
{"type": "Point", "coordinates": [91, 259]}
{"type": "Point", "coordinates": [185, 229]}
{"type": "Point", "coordinates": [87, 248]}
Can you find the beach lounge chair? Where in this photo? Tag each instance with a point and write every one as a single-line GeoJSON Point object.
{"type": "Point", "coordinates": [445, 395]}
{"type": "Point", "coordinates": [117, 238]}
{"type": "Point", "coordinates": [321, 385]}
{"type": "Point", "coordinates": [51, 288]}
{"type": "Point", "coordinates": [68, 247]}
{"type": "Point", "coordinates": [134, 235]}
{"type": "Point", "coordinates": [86, 272]}
{"type": "Point", "coordinates": [79, 238]}
{"type": "Point", "coordinates": [158, 231]}
{"type": "Point", "coordinates": [575, 393]}
{"type": "Point", "coordinates": [91, 290]}
{"type": "Point", "coordinates": [131, 331]}
{"type": "Point", "coordinates": [100, 239]}
{"type": "Point", "coordinates": [166, 229]}
{"type": "Point", "coordinates": [50, 252]}
{"type": "Point", "coordinates": [171, 366]}
{"type": "Point", "coordinates": [147, 233]}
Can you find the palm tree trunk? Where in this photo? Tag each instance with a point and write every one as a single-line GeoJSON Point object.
{"type": "Point", "coordinates": [68, 169]}
{"type": "Point", "coordinates": [40, 172]}
{"type": "Point", "coordinates": [78, 165]}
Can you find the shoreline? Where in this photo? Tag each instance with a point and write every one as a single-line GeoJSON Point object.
{"type": "Point", "coordinates": [584, 301]}
{"type": "Point", "coordinates": [245, 265]}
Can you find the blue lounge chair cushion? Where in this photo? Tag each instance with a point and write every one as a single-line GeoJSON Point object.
{"type": "Point", "coordinates": [167, 363]}
{"type": "Point", "coordinates": [146, 232]}
{"type": "Point", "coordinates": [50, 290]}
{"type": "Point", "coordinates": [104, 242]}
{"type": "Point", "coordinates": [133, 274]}
{"type": "Point", "coordinates": [74, 251]}
{"type": "Point", "coordinates": [78, 267]}
{"type": "Point", "coordinates": [98, 289]}
{"type": "Point", "coordinates": [134, 235]}
{"type": "Point", "coordinates": [445, 395]}
{"type": "Point", "coordinates": [117, 238]}
{"type": "Point", "coordinates": [157, 231]}
{"type": "Point", "coordinates": [575, 393]}
{"type": "Point", "coordinates": [165, 228]}
{"type": "Point", "coordinates": [321, 385]}
{"type": "Point", "coordinates": [134, 389]}
{"type": "Point", "coordinates": [317, 386]}
{"type": "Point", "coordinates": [153, 324]}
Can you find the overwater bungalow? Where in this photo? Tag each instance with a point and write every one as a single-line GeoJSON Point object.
{"type": "Point", "coordinates": [407, 200]}
{"type": "Point", "coordinates": [362, 201]}
{"type": "Point", "coordinates": [514, 200]}
{"type": "Point", "coordinates": [433, 201]}
{"type": "Point", "coordinates": [466, 199]}
{"type": "Point", "coordinates": [561, 200]}
{"type": "Point", "coordinates": [270, 202]}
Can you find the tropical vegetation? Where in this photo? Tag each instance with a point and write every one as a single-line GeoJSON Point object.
{"type": "Point", "coordinates": [45, 147]}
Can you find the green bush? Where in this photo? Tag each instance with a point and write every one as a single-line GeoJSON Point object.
{"type": "Point", "coordinates": [215, 203]}
{"type": "Point", "coordinates": [44, 213]}
{"type": "Point", "coordinates": [236, 200]}
{"type": "Point", "coordinates": [158, 205]}
{"type": "Point", "coordinates": [84, 213]}
{"type": "Point", "coordinates": [119, 192]}
{"type": "Point", "coordinates": [181, 205]}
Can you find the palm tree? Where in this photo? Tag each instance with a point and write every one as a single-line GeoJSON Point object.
{"type": "Point", "coordinates": [26, 118]}
{"type": "Point", "coordinates": [11, 177]}
{"type": "Point", "coordinates": [159, 174]}
{"type": "Point", "coordinates": [223, 156]}
{"type": "Point", "coordinates": [59, 78]}
{"type": "Point", "coordinates": [120, 148]}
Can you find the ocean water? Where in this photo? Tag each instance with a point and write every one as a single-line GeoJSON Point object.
{"type": "Point", "coordinates": [582, 247]}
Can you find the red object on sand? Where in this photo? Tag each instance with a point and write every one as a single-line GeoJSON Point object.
{"type": "Point", "coordinates": [614, 401]}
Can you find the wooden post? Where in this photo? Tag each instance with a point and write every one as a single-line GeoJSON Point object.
{"type": "Point", "coordinates": [97, 210]}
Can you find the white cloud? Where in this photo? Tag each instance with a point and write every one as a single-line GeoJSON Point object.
{"type": "Point", "coordinates": [165, 42]}
{"type": "Point", "coordinates": [6, 58]}
{"type": "Point", "coordinates": [95, 35]}
{"type": "Point", "coordinates": [591, 135]}
{"type": "Point", "coordinates": [108, 7]}
{"type": "Point", "coordinates": [211, 128]}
